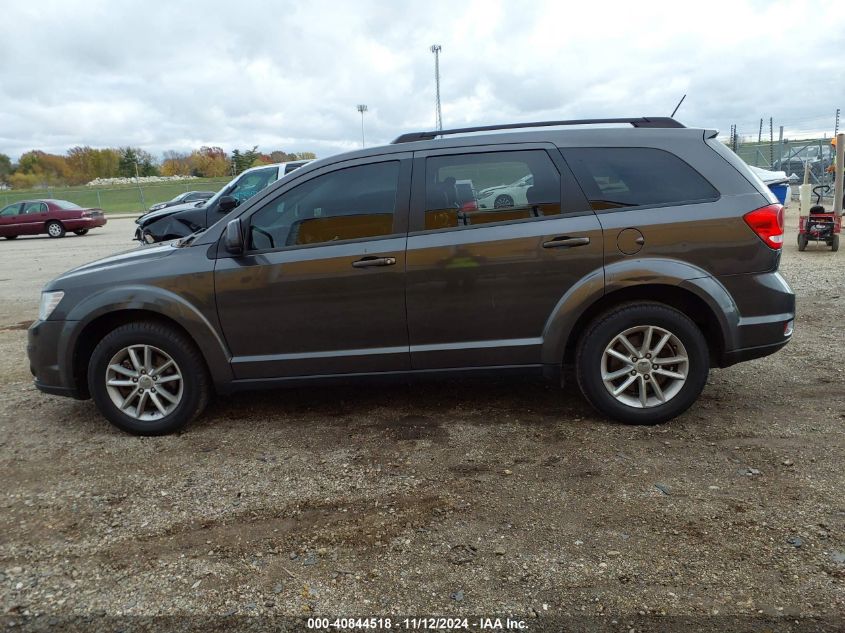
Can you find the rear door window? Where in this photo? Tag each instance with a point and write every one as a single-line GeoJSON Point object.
{"type": "Point", "coordinates": [618, 177]}
{"type": "Point", "coordinates": [31, 208]}
{"type": "Point", "coordinates": [477, 189]}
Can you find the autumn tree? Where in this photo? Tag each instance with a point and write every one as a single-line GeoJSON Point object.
{"type": "Point", "coordinates": [176, 164]}
{"type": "Point", "coordinates": [86, 164]}
{"type": "Point", "coordinates": [40, 169]}
{"type": "Point", "coordinates": [209, 162]}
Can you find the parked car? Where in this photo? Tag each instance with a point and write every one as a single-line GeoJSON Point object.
{"type": "Point", "coordinates": [53, 217]}
{"type": "Point", "coordinates": [641, 258]}
{"type": "Point", "coordinates": [183, 198]}
{"type": "Point", "coordinates": [180, 220]}
{"type": "Point", "coordinates": [818, 157]}
{"type": "Point", "coordinates": [506, 195]}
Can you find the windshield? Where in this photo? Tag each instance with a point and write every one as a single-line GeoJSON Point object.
{"type": "Point", "coordinates": [245, 185]}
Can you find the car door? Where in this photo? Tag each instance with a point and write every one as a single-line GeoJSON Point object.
{"type": "Point", "coordinates": [320, 288]}
{"type": "Point", "coordinates": [485, 273]}
{"type": "Point", "coordinates": [10, 220]}
{"type": "Point", "coordinates": [33, 218]}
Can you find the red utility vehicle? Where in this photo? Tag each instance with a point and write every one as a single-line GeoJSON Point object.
{"type": "Point", "coordinates": [820, 225]}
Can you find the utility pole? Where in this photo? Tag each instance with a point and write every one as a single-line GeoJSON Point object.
{"type": "Point", "coordinates": [436, 48]}
{"type": "Point", "coordinates": [362, 107]}
{"type": "Point", "coordinates": [138, 182]}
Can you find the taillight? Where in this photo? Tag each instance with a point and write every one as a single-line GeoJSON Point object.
{"type": "Point", "coordinates": [767, 223]}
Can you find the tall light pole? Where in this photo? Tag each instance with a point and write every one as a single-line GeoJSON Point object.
{"type": "Point", "coordinates": [362, 107]}
{"type": "Point", "coordinates": [435, 48]}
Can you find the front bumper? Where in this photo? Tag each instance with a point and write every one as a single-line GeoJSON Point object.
{"type": "Point", "coordinates": [44, 349]}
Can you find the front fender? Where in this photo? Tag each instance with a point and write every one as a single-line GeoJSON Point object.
{"type": "Point", "coordinates": [629, 273]}
{"type": "Point", "coordinates": [161, 301]}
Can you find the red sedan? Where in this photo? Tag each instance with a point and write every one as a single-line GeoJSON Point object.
{"type": "Point", "coordinates": [53, 217]}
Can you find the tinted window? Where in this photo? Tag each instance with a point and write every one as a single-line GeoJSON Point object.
{"type": "Point", "coordinates": [474, 189]}
{"type": "Point", "coordinates": [634, 176]}
{"type": "Point", "coordinates": [352, 203]}
{"type": "Point", "coordinates": [292, 166]}
{"type": "Point", "coordinates": [12, 209]}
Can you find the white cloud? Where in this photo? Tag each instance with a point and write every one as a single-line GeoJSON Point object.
{"type": "Point", "coordinates": [287, 75]}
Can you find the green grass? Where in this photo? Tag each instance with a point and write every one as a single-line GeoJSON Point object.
{"type": "Point", "coordinates": [115, 198]}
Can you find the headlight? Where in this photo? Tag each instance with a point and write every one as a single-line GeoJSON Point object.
{"type": "Point", "coordinates": [49, 301]}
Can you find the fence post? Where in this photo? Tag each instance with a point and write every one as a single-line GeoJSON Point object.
{"type": "Point", "coordinates": [99, 202]}
{"type": "Point", "coordinates": [837, 176]}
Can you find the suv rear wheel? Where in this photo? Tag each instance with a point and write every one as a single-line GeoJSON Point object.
{"type": "Point", "coordinates": [642, 363]}
{"type": "Point", "coordinates": [148, 379]}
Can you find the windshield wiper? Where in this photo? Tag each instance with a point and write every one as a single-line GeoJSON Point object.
{"type": "Point", "coordinates": [186, 241]}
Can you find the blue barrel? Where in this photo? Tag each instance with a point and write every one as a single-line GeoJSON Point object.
{"type": "Point", "coordinates": [780, 191]}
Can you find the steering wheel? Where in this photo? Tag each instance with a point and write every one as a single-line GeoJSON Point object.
{"type": "Point", "coordinates": [818, 190]}
{"type": "Point", "coordinates": [266, 234]}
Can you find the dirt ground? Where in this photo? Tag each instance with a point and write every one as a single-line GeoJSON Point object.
{"type": "Point", "coordinates": [480, 498]}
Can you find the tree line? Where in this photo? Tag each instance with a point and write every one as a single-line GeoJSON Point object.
{"type": "Point", "coordinates": [80, 165]}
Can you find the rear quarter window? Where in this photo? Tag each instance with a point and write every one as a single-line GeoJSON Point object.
{"type": "Point", "coordinates": [621, 177]}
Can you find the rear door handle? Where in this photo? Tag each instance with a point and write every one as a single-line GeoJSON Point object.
{"type": "Point", "coordinates": [366, 262]}
{"type": "Point", "coordinates": [566, 242]}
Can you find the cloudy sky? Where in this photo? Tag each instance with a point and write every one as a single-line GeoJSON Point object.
{"type": "Point", "coordinates": [288, 74]}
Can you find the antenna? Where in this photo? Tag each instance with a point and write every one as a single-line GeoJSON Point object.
{"type": "Point", "coordinates": [672, 116]}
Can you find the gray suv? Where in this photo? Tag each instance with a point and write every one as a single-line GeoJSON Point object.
{"type": "Point", "coordinates": [639, 256]}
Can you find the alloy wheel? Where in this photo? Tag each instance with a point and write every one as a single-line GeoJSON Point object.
{"type": "Point", "coordinates": [144, 382]}
{"type": "Point", "coordinates": [644, 366]}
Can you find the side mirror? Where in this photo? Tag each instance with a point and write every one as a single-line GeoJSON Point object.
{"type": "Point", "coordinates": [234, 239]}
{"type": "Point", "coordinates": [227, 203]}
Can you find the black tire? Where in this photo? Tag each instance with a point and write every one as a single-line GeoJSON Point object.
{"type": "Point", "coordinates": [834, 243]}
{"type": "Point", "coordinates": [81, 232]}
{"type": "Point", "coordinates": [606, 327]}
{"type": "Point", "coordinates": [55, 229]}
{"type": "Point", "coordinates": [802, 242]}
{"type": "Point", "coordinates": [11, 237]}
{"type": "Point", "coordinates": [503, 201]}
{"type": "Point", "coordinates": [196, 388]}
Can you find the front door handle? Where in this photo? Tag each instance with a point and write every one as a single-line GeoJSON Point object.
{"type": "Point", "coordinates": [566, 242]}
{"type": "Point", "coordinates": [366, 262]}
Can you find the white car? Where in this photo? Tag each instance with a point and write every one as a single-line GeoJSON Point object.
{"type": "Point", "coordinates": [504, 196]}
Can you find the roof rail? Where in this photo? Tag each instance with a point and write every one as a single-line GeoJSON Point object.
{"type": "Point", "coordinates": [650, 122]}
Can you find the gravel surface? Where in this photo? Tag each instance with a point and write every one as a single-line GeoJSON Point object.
{"type": "Point", "coordinates": [478, 497]}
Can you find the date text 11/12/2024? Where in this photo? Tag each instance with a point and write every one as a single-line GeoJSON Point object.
{"type": "Point", "coordinates": [417, 624]}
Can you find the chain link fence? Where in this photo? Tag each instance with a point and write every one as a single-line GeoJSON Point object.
{"type": "Point", "coordinates": [135, 198]}
{"type": "Point", "coordinates": [791, 156]}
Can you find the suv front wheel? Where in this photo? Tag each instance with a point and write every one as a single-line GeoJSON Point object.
{"type": "Point", "coordinates": [642, 363]}
{"type": "Point", "coordinates": [148, 379]}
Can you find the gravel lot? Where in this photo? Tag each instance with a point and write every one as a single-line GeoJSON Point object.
{"type": "Point", "coordinates": [473, 498]}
